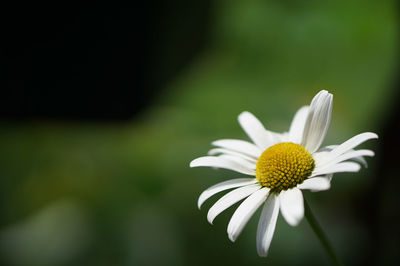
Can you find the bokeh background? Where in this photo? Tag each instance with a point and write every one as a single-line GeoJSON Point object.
{"type": "Point", "coordinates": [103, 106]}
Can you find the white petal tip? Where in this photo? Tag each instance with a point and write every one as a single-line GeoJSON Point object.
{"type": "Point", "coordinates": [354, 168]}
{"type": "Point", "coordinates": [316, 184]}
{"type": "Point", "coordinates": [243, 116]}
{"type": "Point", "coordinates": [210, 217]}
{"type": "Point", "coordinates": [231, 235]}
{"type": "Point", "coordinates": [244, 113]}
{"type": "Point", "coordinates": [203, 161]}
{"type": "Point", "coordinates": [375, 136]}
{"type": "Point", "coordinates": [292, 206]}
{"type": "Point", "coordinates": [322, 188]}
{"type": "Point", "coordinates": [200, 201]}
{"type": "Point", "coordinates": [200, 161]}
{"type": "Point", "coordinates": [371, 135]}
{"type": "Point", "coordinates": [325, 92]}
{"type": "Point", "coordinates": [294, 223]}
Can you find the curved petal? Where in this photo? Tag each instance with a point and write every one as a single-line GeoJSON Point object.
{"type": "Point", "coordinates": [351, 143]}
{"type": "Point", "coordinates": [232, 183]}
{"type": "Point", "coordinates": [229, 199]}
{"type": "Point", "coordinates": [218, 162]}
{"type": "Point", "coordinates": [318, 183]}
{"type": "Point", "coordinates": [343, 157]}
{"type": "Point", "coordinates": [298, 123]}
{"type": "Point", "coordinates": [328, 148]}
{"type": "Point", "coordinates": [322, 155]}
{"type": "Point", "coordinates": [217, 151]}
{"type": "Point", "coordinates": [244, 212]}
{"type": "Point", "coordinates": [255, 130]}
{"type": "Point", "coordinates": [292, 205]}
{"type": "Point", "coordinates": [240, 160]}
{"type": "Point", "coordinates": [338, 168]}
{"type": "Point", "coordinates": [239, 146]}
{"type": "Point", "coordinates": [360, 160]}
{"type": "Point", "coordinates": [266, 224]}
{"type": "Point", "coordinates": [318, 120]}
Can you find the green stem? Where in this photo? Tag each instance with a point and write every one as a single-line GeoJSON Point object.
{"type": "Point", "coordinates": [320, 234]}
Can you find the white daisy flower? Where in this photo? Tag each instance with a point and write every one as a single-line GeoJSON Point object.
{"type": "Point", "coordinates": [281, 165]}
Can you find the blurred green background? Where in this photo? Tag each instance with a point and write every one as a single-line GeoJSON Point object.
{"type": "Point", "coordinates": [122, 193]}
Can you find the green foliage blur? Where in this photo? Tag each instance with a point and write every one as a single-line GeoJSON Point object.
{"type": "Point", "coordinates": [123, 193]}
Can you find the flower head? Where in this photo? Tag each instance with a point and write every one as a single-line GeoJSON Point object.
{"type": "Point", "coordinates": [281, 165]}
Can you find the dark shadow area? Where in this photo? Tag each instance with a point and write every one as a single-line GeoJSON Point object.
{"type": "Point", "coordinates": [98, 62]}
{"type": "Point", "coordinates": [378, 208]}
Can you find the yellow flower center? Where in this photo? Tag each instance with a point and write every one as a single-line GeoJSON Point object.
{"type": "Point", "coordinates": [284, 166]}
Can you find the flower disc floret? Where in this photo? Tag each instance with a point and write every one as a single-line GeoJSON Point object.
{"type": "Point", "coordinates": [284, 166]}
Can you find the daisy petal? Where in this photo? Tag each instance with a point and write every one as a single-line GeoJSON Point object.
{"type": "Point", "coordinates": [315, 184]}
{"type": "Point", "coordinates": [343, 157]}
{"type": "Point", "coordinates": [320, 157]}
{"type": "Point", "coordinates": [232, 183]}
{"type": "Point", "coordinates": [318, 120]}
{"type": "Point", "coordinates": [323, 154]}
{"type": "Point", "coordinates": [229, 199]}
{"type": "Point", "coordinates": [218, 162]}
{"type": "Point", "coordinates": [239, 146]}
{"type": "Point", "coordinates": [292, 206]}
{"type": "Point", "coordinates": [244, 212]}
{"type": "Point", "coordinates": [240, 160]}
{"type": "Point", "coordinates": [360, 160]}
{"type": "Point", "coordinates": [280, 137]}
{"type": "Point", "coordinates": [297, 126]}
{"type": "Point", "coordinates": [338, 168]}
{"type": "Point", "coordinates": [329, 148]}
{"type": "Point", "coordinates": [255, 130]}
{"type": "Point", "coordinates": [351, 143]}
{"type": "Point", "coordinates": [230, 152]}
{"type": "Point", "coordinates": [266, 224]}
